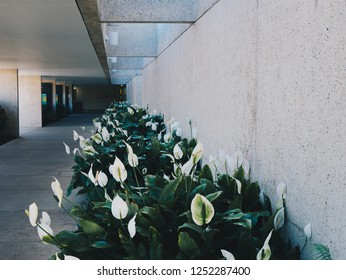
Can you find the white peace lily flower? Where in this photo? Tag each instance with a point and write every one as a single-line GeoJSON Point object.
{"type": "Point", "coordinates": [102, 179]}
{"type": "Point", "coordinates": [45, 218]}
{"type": "Point", "coordinates": [177, 152]}
{"type": "Point", "coordinates": [238, 185]}
{"type": "Point", "coordinates": [98, 125]}
{"type": "Point", "coordinates": [132, 157]}
{"type": "Point", "coordinates": [308, 231]}
{"type": "Point", "coordinates": [91, 176]}
{"type": "Point", "coordinates": [197, 153]}
{"type": "Point", "coordinates": [75, 135]}
{"type": "Point", "coordinates": [75, 151]}
{"type": "Point", "coordinates": [125, 132]}
{"type": "Point", "coordinates": [44, 228]}
{"type": "Point", "coordinates": [57, 190]}
{"type": "Point", "coordinates": [129, 109]}
{"type": "Point", "coordinates": [148, 123]}
{"type": "Point", "coordinates": [265, 252]}
{"type": "Point", "coordinates": [202, 210]}
{"type": "Point", "coordinates": [228, 255]}
{"type": "Point", "coordinates": [154, 126]}
{"type": "Point", "coordinates": [280, 204]}
{"type": "Point", "coordinates": [89, 150]}
{"type": "Point", "coordinates": [105, 134]}
{"type": "Point", "coordinates": [70, 258]}
{"type": "Point", "coordinates": [231, 164]}
{"type": "Point", "coordinates": [107, 197]}
{"type": "Point", "coordinates": [32, 213]}
{"type": "Point", "coordinates": [167, 137]}
{"type": "Point", "coordinates": [261, 198]}
{"type": "Point", "coordinates": [97, 138]}
{"type": "Point", "coordinates": [132, 226]}
{"type": "Point", "coordinates": [281, 190]}
{"type": "Point", "coordinates": [279, 219]}
{"type": "Point", "coordinates": [187, 167]}
{"type": "Point", "coordinates": [118, 170]}
{"type": "Point", "coordinates": [67, 148]}
{"type": "Point", "coordinates": [238, 156]}
{"type": "Point", "coordinates": [119, 208]}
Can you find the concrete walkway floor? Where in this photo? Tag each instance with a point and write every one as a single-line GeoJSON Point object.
{"type": "Point", "coordinates": [27, 165]}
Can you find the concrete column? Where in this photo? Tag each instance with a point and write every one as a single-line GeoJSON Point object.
{"type": "Point", "coordinates": [30, 104]}
{"type": "Point", "coordinates": [9, 100]}
{"type": "Point", "coordinates": [68, 89]}
{"type": "Point", "coordinates": [51, 115]}
{"type": "Point", "coordinates": [62, 101]}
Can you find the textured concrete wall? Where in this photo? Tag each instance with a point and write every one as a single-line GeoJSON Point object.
{"type": "Point", "coordinates": [9, 100]}
{"type": "Point", "coordinates": [134, 91]}
{"type": "Point", "coordinates": [30, 108]}
{"type": "Point", "coordinates": [269, 78]}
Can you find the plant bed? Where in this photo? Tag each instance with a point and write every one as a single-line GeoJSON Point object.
{"type": "Point", "coordinates": [147, 195]}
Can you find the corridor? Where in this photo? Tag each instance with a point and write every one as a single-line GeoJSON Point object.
{"type": "Point", "coordinates": [27, 165]}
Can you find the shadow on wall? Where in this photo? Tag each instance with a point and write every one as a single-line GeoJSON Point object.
{"type": "Point", "coordinates": [3, 120]}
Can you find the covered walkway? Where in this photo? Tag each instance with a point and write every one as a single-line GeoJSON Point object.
{"type": "Point", "coordinates": [27, 165]}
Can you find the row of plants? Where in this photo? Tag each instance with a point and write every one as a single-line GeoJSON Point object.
{"type": "Point", "coordinates": [147, 195]}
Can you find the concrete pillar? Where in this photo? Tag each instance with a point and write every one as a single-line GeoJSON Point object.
{"type": "Point", "coordinates": [62, 98]}
{"type": "Point", "coordinates": [68, 89]}
{"type": "Point", "coordinates": [9, 100]}
{"type": "Point", "coordinates": [51, 114]}
{"type": "Point", "coordinates": [30, 103]}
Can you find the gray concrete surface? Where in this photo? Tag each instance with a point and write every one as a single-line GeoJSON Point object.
{"type": "Point", "coordinates": [27, 165]}
{"type": "Point", "coordinates": [268, 78]}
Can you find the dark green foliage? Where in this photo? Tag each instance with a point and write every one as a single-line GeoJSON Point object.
{"type": "Point", "coordinates": [160, 194]}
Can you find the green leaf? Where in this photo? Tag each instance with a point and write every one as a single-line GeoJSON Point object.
{"type": "Point", "coordinates": [155, 147]}
{"type": "Point", "coordinates": [102, 245]}
{"type": "Point", "coordinates": [211, 197]}
{"type": "Point", "coordinates": [105, 205]}
{"type": "Point", "coordinates": [193, 227]}
{"type": "Point", "coordinates": [206, 174]}
{"type": "Point", "coordinates": [92, 228]}
{"type": "Point", "coordinates": [250, 197]}
{"type": "Point", "coordinates": [155, 245]}
{"type": "Point", "coordinates": [320, 252]}
{"type": "Point", "coordinates": [168, 193]}
{"type": "Point", "coordinates": [202, 210]}
{"type": "Point", "coordinates": [188, 245]}
{"type": "Point", "coordinates": [76, 211]}
{"type": "Point", "coordinates": [49, 239]}
{"type": "Point", "coordinates": [70, 240]}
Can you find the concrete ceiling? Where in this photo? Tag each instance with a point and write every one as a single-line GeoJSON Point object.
{"type": "Point", "coordinates": [91, 41]}
{"type": "Point", "coordinates": [48, 38]}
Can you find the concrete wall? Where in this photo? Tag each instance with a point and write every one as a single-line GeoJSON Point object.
{"type": "Point", "coordinates": [134, 91]}
{"type": "Point", "coordinates": [96, 97]}
{"type": "Point", "coordinates": [30, 111]}
{"type": "Point", "coordinates": [9, 100]}
{"type": "Point", "coordinates": [269, 78]}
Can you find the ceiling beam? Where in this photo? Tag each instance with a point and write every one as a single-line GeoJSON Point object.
{"type": "Point", "coordinates": [90, 15]}
{"type": "Point", "coordinates": [170, 11]}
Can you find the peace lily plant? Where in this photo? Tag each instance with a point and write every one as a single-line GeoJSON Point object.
{"type": "Point", "coordinates": [145, 194]}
